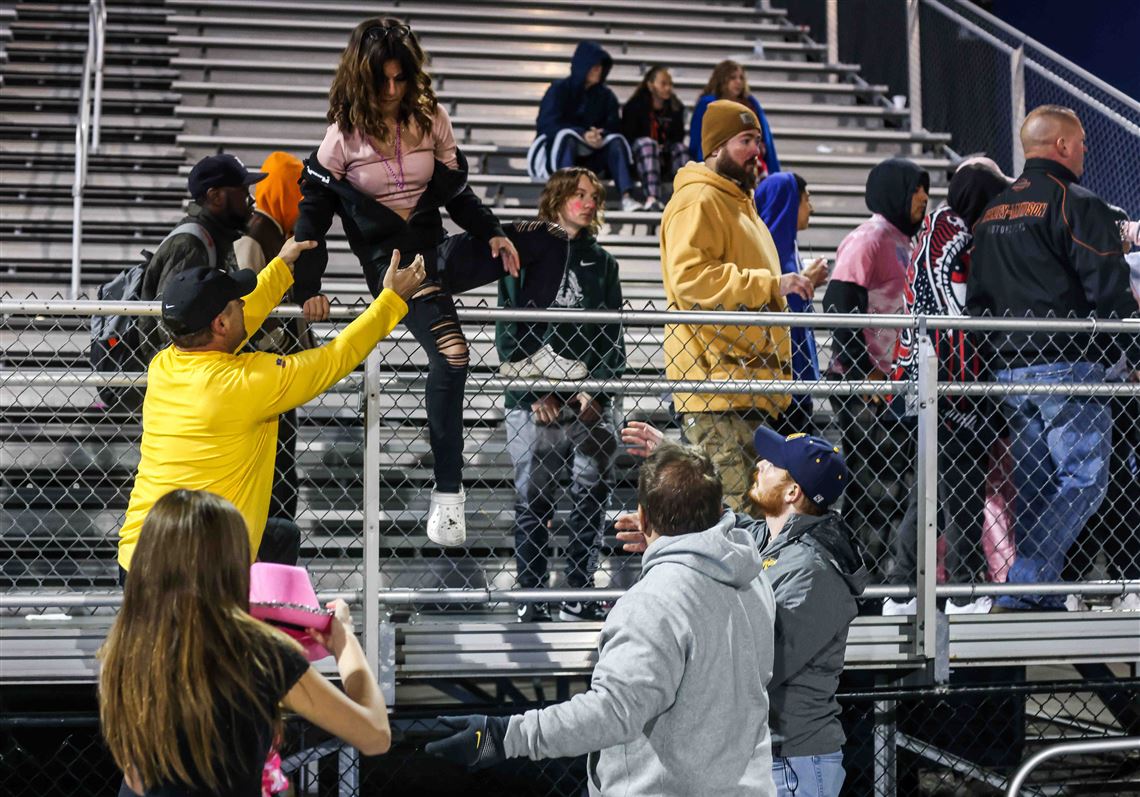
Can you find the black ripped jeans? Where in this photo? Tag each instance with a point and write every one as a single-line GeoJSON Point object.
{"type": "Point", "coordinates": [460, 263]}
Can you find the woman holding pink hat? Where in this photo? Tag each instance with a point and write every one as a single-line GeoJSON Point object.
{"type": "Point", "coordinates": [192, 685]}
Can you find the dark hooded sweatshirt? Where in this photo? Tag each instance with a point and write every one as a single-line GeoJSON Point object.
{"type": "Point", "coordinates": [870, 268]}
{"type": "Point", "coordinates": [816, 569]}
{"type": "Point", "coordinates": [568, 103]}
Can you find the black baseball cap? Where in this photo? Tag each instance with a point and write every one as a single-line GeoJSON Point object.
{"type": "Point", "coordinates": [816, 465]}
{"type": "Point", "coordinates": [194, 297]}
{"type": "Point", "coordinates": [220, 171]}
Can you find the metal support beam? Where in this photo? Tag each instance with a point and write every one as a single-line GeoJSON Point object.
{"type": "Point", "coordinates": [833, 36]}
{"type": "Point", "coordinates": [884, 735]}
{"type": "Point", "coordinates": [1017, 105]}
{"type": "Point", "coordinates": [914, 65]}
{"type": "Point", "coordinates": [926, 637]}
{"type": "Point", "coordinates": [371, 510]}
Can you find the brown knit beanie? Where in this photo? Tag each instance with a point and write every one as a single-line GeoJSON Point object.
{"type": "Point", "coordinates": [723, 119]}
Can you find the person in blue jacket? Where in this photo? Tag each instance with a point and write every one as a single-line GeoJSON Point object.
{"type": "Point", "coordinates": [784, 204]}
{"type": "Point", "coordinates": [728, 82]}
{"type": "Point", "coordinates": [579, 124]}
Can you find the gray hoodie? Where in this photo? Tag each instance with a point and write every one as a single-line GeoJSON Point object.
{"type": "Point", "coordinates": [678, 704]}
{"type": "Point", "coordinates": [816, 569]}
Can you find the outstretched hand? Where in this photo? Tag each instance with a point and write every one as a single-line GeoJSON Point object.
{"type": "Point", "coordinates": [502, 246]}
{"type": "Point", "coordinates": [404, 281]}
{"type": "Point", "coordinates": [476, 741]}
{"type": "Point", "coordinates": [629, 532]}
{"type": "Point", "coordinates": [641, 437]}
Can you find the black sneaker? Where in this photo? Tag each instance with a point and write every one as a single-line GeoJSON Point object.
{"type": "Point", "coordinates": [533, 612]}
{"type": "Point", "coordinates": [589, 611]}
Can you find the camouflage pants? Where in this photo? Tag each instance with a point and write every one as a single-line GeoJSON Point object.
{"type": "Point", "coordinates": [727, 439]}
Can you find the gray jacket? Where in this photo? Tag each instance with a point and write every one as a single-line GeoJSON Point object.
{"type": "Point", "coordinates": [677, 704]}
{"type": "Point", "coordinates": [816, 568]}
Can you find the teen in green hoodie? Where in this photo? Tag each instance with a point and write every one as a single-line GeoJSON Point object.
{"type": "Point", "coordinates": [548, 434]}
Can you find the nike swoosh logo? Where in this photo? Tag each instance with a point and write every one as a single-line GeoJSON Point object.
{"type": "Point", "coordinates": [587, 262]}
{"type": "Point", "coordinates": [168, 307]}
{"type": "Point", "coordinates": [478, 736]}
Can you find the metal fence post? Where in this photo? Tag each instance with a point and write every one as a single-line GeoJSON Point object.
{"type": "Point", "coordinates": [926, 485]}
{"type": "Point", "coordinates": [1017, 105]}
{"type": "Point", "coordinates": [913, 64]}
{"type": "Point", "coordinates": [371, 510]}
{"type": "Point", "coordinates": [833, 36]}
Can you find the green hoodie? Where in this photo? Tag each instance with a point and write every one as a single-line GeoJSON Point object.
{"type": "Point", "coordinates": [590, 282]}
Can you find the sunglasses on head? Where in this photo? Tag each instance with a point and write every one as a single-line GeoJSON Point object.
{"type": "Point", "coordinates": [396, 32]}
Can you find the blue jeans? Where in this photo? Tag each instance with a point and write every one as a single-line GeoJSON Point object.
{"type": "Point", "coordinates": [610, 159]}
{"type": "Point", "coordinates": [808, 775]}
{"type": "Point", "coordinates": [542, 455]}
{"type": "Point", "coordinates": [1060, 446]}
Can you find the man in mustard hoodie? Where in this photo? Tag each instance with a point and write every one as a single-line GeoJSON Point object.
{"type": "Point", "coordinates": [716, 253]}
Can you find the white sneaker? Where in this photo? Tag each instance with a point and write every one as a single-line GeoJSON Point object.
{"type": "Point", "coordinates": [446, 523]}
{"type": "Point", "coordinates": [893, 608]}
{"type": "Point", "coordinates": [1127, 603]}
{"type": "Point", "coordinates": [631, 205]}
{"type": "Point", "coordinates": [653, 204]}
{"type": "Point", "coordinates": [544, 363]}
{"type": "Point", "coordinates": [1075, 603]}
{"type": "Point", "coordinates": [980, 606]}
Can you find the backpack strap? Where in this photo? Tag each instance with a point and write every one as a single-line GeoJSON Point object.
{"type": "Point", "coordinates": [198, 231]}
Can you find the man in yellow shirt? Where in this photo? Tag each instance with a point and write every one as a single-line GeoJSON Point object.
{"type": "Point", "coordinates": [210, 415]}
{"type": "Point", "coordinates": [716, 253]}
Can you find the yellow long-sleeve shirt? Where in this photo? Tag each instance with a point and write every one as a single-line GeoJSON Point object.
{"type": "Point", "coordinates": [210, 418]}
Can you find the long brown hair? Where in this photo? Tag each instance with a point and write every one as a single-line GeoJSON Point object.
{"type": "Point", "coordinates": [718, 80]}
{"type": "Point", "coordinates": [184, 645]}
{"type": "Point", "coordinates": [561, 186]}
{"type": "Point", "coordinates": [354, 99]}
{"type": "Point", "coordinates": [643, 90]}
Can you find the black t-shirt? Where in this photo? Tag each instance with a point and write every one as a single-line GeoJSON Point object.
{"type": "Point", "coordinates": [251, 737]}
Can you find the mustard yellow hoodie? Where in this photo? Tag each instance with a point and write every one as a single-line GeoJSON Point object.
{"type": "Point", "coordinates": [716, 253]}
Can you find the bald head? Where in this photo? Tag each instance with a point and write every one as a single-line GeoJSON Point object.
{"type": "Point", "coordinates": [1055, 132]}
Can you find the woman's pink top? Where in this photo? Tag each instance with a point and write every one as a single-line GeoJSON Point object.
{"type": "Point", "coordinates": [355, 157]}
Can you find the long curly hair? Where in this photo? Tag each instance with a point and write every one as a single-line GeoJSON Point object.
{"type": "Point", "coordinates": [354, 97]}
{"type": "Point", "coordinates": [718, 80]}
{"type": "Point", "coordinates": [561, 186]}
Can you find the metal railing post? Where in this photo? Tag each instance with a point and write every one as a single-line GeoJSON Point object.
{"type": "Point", "coordinates": [99, 21]}
{"type": "Point", "coordinates": [371, 510]}
{"type": "Point", "coordinates": [1069, 748]}
{"type": "Point", "coordinates": [926, 485]}
{"type": "Point", "coordinates": [1017, 105]}
{"type": "Point", "coordinates": [833, 36]}
{"type": "Point", "coordinates": [914, 64]}
{"type": "Point", "coordinates": [82, 129]}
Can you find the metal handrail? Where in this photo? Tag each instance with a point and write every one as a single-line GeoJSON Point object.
{"type": "Point", "coordinates": [86, 138]}
{"type": "Point", "coordinates": [81, 308]}
{"type": "Point", "coordinates": [1068, 748]}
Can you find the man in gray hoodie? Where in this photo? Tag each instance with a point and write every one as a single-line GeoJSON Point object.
{"type": "Point", "coordinates": [678, 702]}
{"type": "Point", "coordinates": [815, 565]}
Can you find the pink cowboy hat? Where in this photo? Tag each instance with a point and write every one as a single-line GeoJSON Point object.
{"type": "Point", "coordinates": [283, 596]}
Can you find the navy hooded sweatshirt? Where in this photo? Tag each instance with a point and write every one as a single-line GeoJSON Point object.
{"type": "Point", "coordinates": [568, 103]}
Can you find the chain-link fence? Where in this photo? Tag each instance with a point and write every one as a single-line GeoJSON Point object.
{"type": "Point", "coordinates": [1006, 75]}
{"type": "Point", "coordinates": [544, 470]}
{"type": "Point", "coordinates": [966, 738]}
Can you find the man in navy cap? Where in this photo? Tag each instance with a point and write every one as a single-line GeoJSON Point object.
{"type": "Point", "coordinates": [217, 216]}
{"type": "Point", "coordinates": [815, 566]}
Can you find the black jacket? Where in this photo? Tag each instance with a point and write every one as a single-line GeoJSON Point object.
{"type": "Point", "coordinates": [816, 569]}
{"type": "Point", "coordinates": [1048, 247]}
{"type": "Point", "coordinates": [374, 230]}
{"type": "Point", "coordinates": [639, 120]}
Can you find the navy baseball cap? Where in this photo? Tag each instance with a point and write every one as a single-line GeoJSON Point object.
{"type": "Point", "coordinates": [816, 465]}
{"type": "Point", "coordinates": [220, 171]}
{"type": "Point", "coordinates": [194, 297]}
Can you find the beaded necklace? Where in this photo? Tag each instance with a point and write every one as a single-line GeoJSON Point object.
{"type": "Point", "coordinates": [398, 180]}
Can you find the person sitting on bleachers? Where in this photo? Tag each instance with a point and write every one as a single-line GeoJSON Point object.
{"type": "Point", "coordinates": [191, 685]}
{"type": "Point", "coordinates": [678, 701]}
{"type": "Point", "coordinates": [784, 204]}
{"type": "Point", "coordinates": [387, 165]}
{"type": "Point", "coordinates": [274, 214]}
{"type": "Point", "coordinates": [551, 434]}
{"type": "Point", "coordinates": [653, 122]}
{"type": "Point", "coordinates": [728, 82]}
{"type": "Point", "coordinates": [209, 414]}
{"type": "Point", "coordinates": [578, 125]}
